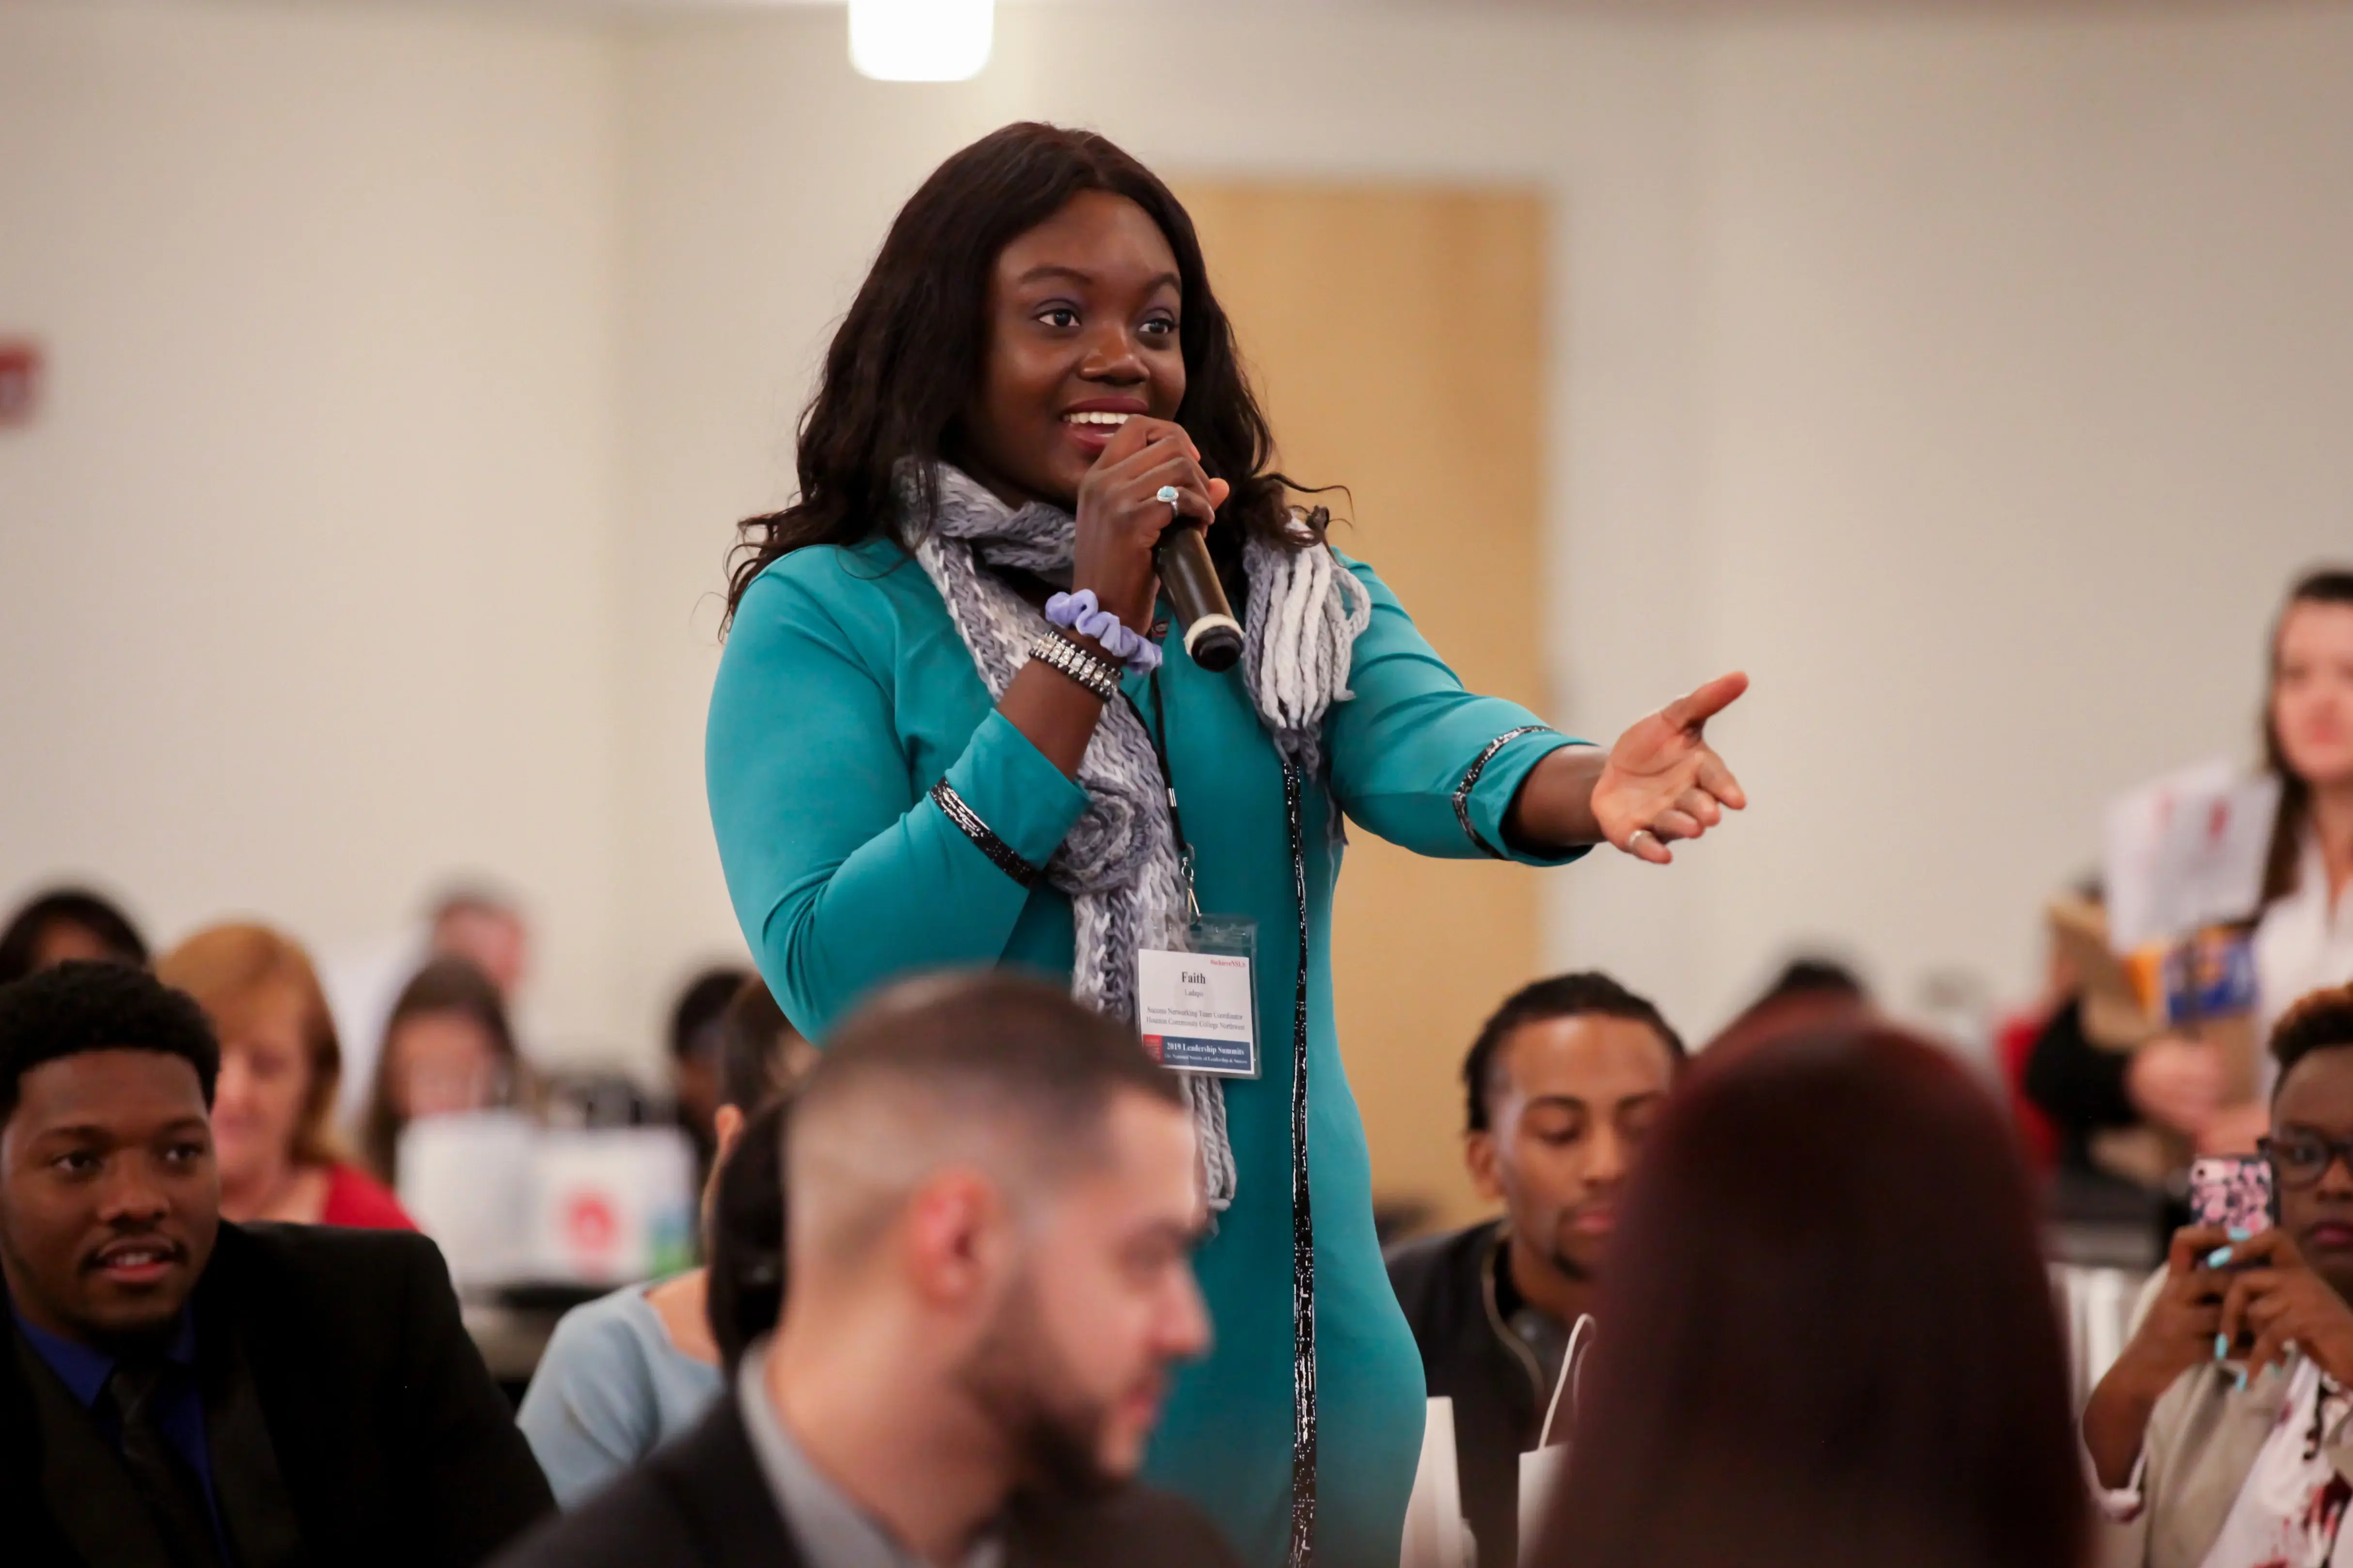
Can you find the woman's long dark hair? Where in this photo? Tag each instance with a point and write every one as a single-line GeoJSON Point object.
{"type": "Point", "coordinates": [905, 361]}
{"type": "Point", "coordinates": [2329, 586]}
{"type": "Point", "coordinates": [744, 1293]}
{"type": "Point", "coordinates": [1826, 1339]}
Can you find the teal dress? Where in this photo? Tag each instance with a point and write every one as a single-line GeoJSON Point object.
{"type": "Point", "coordinates": [845, 694]}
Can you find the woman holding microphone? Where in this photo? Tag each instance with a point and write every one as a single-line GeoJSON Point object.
{"type": "Point", "coordinates": [951, 728]}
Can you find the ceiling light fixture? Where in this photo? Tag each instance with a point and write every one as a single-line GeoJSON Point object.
{"type": "Point", "coordinates": [921, 40]}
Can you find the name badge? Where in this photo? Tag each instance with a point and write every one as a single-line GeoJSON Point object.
{"type": "Point", "coordinates": [1197, 1008]}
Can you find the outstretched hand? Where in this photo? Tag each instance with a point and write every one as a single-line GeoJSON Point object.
{"type": "Point", "coordinates": [1662, 782]}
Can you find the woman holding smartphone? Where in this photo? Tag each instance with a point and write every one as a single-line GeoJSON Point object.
{"type": "Point", "coordinates": [951, 728]}
{"type": "Point", "coordinates": [2222, 1436]}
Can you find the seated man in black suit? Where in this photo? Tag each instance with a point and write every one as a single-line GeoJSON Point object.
{"type": "Point", "coordinates": [180, 1393]}
{"type": "Point", "coordinates": [991, 1207]}
{"type": "Point", "coordinates": [1560, 1087]}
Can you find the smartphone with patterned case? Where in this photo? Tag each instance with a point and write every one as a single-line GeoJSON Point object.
{"type": "Point", "coordinates": [2232, 1191]}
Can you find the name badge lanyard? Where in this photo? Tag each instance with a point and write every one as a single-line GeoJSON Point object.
{"type": "Point", "coordinates": [1156, 730]}
{"type": "Point", "coordinates": [1302, 1230]}
{"type": "Point", "coordinates": [1197, 1000]}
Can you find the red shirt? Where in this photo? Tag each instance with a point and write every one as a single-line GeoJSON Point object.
{"type": "Point", "coordinates": [357, 1199]}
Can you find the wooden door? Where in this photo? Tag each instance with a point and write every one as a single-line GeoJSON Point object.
{"type": "Point", "coordinates": [1397, 335]}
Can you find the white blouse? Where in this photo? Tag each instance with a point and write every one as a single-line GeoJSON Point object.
{"type": "Point", "coordinates": [2288, 1513]}
{"type": "Point", "coordinates": [2301, 945]}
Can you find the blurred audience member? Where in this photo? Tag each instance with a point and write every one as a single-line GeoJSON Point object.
{"type": "Point", "coordinates": [745, 1295]}
{"type": "Point", "coordinates": [2302, 939]}
{"type": "Point", "coordinates": [1561, 1087]}
{"type": "Point", "coordinates": [2304, 942]}
{"type": "Point", "coordinates": [2171, 1083]}
{"type": "Point", "coordinates": [182, 1392]}
{"type": "Point", "coordinates": [761, 1055]}
{"type": "Point", "coordinates": [274, 1110]}
{"type": "Point", "coordinates": [994, 1205]}
{"type": "Point", "coordinates": [1809, 989]}
{"type": "Point", "coordinates": [469, 919]}
{"type": "Point", "coordinates": [67, 923]}
{"type": "Point", "coordinates": [2089, 1089]}
{"type": "Point", "coordinates": [628, 1372]}
{"type": "Point", "coordinates": [447, 1049]}
{"type": "Point", "coordinates": [2220, 1437]}
{"type": "Point", "coordinates": [487, 929]}
{"type": "Point", "coordinates": [694, 1023]}
{"type": "Point", "coordinates": [1827, 1338]}
{"type": "Point", "coordinates": [2014, 1041]}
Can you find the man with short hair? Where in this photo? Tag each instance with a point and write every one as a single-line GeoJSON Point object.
{"type": "Point", "coordinates": [1560, 1088]}
{"type": "Point", "coordinates": [992, 1208]}
{"type": "Point", "coordinates": [486, 928]}
{"type": "Point", "coordinates": [176, 1392]}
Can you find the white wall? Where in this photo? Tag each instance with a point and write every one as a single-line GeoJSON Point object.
{"type": "Point", "coordinates": [762, 174]}
{"type": "Point", "coordinates": [307, 573]}
{"type": "Point", "coordinates": [2026, 392]}
{"type": "Point", "coordinates": [1972, 382]}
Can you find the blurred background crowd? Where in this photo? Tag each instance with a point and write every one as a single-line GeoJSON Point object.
{"type": "Point", "coordinates": [379, 384]}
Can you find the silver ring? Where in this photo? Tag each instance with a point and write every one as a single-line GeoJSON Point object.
{"type": "Point", "coordinates": [1168, 493]}
{"type": "Point", "coordinates": [1639, 833]}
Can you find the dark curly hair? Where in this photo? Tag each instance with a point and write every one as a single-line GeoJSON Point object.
{"type": "Point", "coordinates": [84, 1005]}
{"type": "Point", "coordinates": [907, 357]}
{"type": "Point", "coordinates": [2320, 1021]}
{"type": "Point", "coordinates": [1561, 996]}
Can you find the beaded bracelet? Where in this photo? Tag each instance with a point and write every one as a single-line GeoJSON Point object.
{"type": "Point", "coordinates": [1080, 613]}
{"type": "Point", "coordinates": [1088, 668]}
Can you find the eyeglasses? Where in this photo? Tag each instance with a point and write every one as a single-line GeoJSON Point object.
{"type": "Point", "coordinates": [2301, 1159]}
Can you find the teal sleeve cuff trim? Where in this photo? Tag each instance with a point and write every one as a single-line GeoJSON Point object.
{"type": "Point", "coordinates": [968, 822]}
{"type": "Point", "coordinates": [1484, 796]}
{"type": "Point", "coordinates": [1006, 782]}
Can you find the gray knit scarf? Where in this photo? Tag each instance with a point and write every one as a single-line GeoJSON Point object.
{"type": "Point", "coordinates": [1119, 865]}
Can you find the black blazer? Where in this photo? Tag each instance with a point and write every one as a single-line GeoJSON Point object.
{"type": "Point", "coordinates": [702, 1502]}
{"type": "Point", "coordinates": [1446, 1285]}
{"type": "Point", "coordinates": [350, 1420]}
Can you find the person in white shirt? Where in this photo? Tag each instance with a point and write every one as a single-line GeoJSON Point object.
{"type": "Point", "coordinates": [2222, 1436]}
{"type": "Point", "coordinates": [2303, 933]}
{"type": "Point", "coordinates": [2305, 939]}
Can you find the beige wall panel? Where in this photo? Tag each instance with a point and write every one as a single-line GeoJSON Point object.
{"type": "Point", "coordinates": [1396, 333]}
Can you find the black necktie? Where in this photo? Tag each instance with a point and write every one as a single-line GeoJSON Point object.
{"type": "Point", "coordinates": [165, 1480]}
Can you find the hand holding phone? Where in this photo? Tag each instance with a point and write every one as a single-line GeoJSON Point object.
{"type": "Point", "coordinates": [2276, 1306]}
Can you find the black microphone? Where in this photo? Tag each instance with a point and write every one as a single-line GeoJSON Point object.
{"type": "Point", "coordinates": [1212, 636]}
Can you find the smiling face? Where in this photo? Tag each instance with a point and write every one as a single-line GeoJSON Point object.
{"type": "Point", "coordinates": [109, 1200]}
{"type": "Point", "coordinates": [1082, 321]}
{"type": "Point", "coordinates": [1571, 1102]}
{"type": "Point", "coordinates": [2312, 693]}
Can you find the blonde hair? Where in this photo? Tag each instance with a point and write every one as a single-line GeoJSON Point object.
{"type": "Point", "coordinates": [227, 968]}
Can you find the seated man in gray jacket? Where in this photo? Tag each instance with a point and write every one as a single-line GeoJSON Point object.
{"type": "Point", "coordinates": [2220, 1438]}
